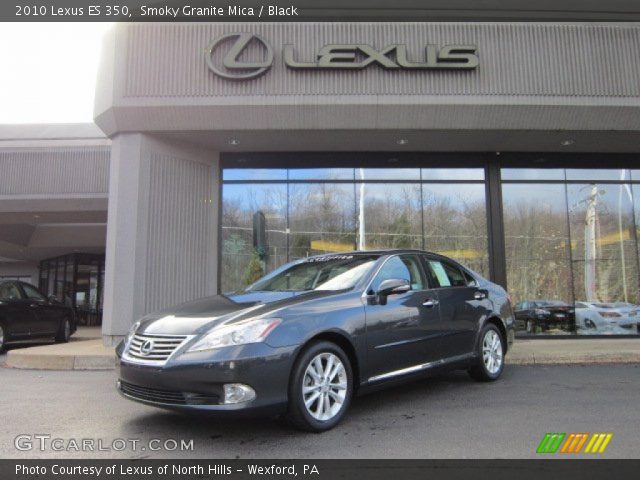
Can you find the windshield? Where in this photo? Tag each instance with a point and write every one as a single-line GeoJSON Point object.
{"type": "Point", "coordinates": [334, 272]}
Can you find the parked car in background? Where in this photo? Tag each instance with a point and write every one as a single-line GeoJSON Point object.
{"type": "Point", "coordinates": [26, 314]}
{"type": "Point", "coordinates": [544, 315]}
{"type": "Point", "coordinates": [303, 340]}
{"type": "Point", "coordinates": [596, 318]}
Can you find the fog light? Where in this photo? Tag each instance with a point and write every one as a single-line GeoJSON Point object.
{"type": "Point", "coordinates": [238, 393]}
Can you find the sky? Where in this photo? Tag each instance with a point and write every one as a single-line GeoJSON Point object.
{"type": "Point", "coordinates": [48, 71]}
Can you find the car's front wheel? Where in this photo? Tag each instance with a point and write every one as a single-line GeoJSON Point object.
{"type": "Point", "coordinates": [490, 355]}
{"type": "Point", "coordinates": [321, 387]}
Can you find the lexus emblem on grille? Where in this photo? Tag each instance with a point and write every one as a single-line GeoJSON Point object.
{"type": "Point", "coordinates": [232, 67]}
{"type": "Point", "coordinates": [146, 347]}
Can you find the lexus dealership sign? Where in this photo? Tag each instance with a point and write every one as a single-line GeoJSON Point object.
{"type": "Point", "coordinates": [351, 56]}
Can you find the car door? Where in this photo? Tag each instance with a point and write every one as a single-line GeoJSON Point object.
{"type": "Point", "coordinates": [401, 330]}
{"type": "Point", "coordinates": [463, 304]}
{"type": "Point", "coordinates": [14, 311]}
{"type": "Point", "coordinates": [47, 316]}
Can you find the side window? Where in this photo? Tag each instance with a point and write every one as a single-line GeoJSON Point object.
{"type": "Point", "coordinates": [8, 291]}
{"type": "Point", "coordinates": [31, 292]}
{"type": "Point", "coordinates": [446, 274]}
{"type": "Point", "coordinates": [470, 281]}
{"type": "Point", "coordinates": [404, 267]}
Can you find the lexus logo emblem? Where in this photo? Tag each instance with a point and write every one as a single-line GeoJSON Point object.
{"type": "Point", "coordinates": [233, 67]}
{"type": "Point", "coordinates": [146, 347]}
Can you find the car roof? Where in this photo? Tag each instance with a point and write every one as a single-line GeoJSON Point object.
{"type": "Point", "coordinates": [391, 251]}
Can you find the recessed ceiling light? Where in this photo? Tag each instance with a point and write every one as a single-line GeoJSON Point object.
{"type": "Point", "coordinates": [234, 141]}
{"type": "Point", "coordinates": [567, 142]}
{"type": "Point", "coordinates": [402, 141]}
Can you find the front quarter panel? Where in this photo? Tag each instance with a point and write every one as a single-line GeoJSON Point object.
{"type": "Point", "coordinates": [342, 313]}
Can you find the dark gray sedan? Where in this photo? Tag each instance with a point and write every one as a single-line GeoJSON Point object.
{"type": "Point", "coordinates": [304, 339]}
{"type": "Point", "coordinates": [26, 314]}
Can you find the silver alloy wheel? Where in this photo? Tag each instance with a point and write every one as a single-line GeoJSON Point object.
{"type": "Point", "coordinates": [1, 337]}
{"type": "Point", "coordinates": [324, 386]}
{"type": "Point", "coordinates": [67, 330]}
{"type": "Point", "coordinates": [492, 351]}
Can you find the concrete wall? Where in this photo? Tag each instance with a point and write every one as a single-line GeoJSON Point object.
{"type": "Point", "coordinates": [161, 234]}
{"type": "Point", "coordinates": [541, 76]}
{"type": "Point", "coordinates": [22, 269]}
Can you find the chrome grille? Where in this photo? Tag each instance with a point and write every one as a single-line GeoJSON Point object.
{"type": "Point", "coordinates": [154, 348]}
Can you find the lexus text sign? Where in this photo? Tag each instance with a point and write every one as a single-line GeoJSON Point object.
{"type": "Point", "coordinates": [227, 63]}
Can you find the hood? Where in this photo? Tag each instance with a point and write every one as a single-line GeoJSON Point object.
{"type": "Point", "coordinates": [203, 314]}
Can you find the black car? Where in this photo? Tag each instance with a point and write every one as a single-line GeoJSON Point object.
{"type": "Point", "coordinates": [307, 337]}
{"type": "Point", "coordinates": [544, 315]}
{"type": "Point", "coordinates": [26, 314]}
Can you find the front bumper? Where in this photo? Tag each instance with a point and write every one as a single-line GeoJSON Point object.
{"type": "Point", "coordinates": [195, 381]}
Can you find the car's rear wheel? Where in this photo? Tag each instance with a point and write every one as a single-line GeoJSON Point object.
{"type": "Point", "coordinates": [2, 338]}
{"type": "Point", "coordinates": [321, 387]}
{"type": "Point", "coordinates": [490, 355]}
{"type": "Point", "coordinates": [64, 333]}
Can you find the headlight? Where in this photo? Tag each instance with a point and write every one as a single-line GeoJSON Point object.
{"type": "Point", "coordinates": [540, 311]}
{"type": "Point", "coordinates": [252, 331]}
{"type": "Point", "coordinates": [132, 332]}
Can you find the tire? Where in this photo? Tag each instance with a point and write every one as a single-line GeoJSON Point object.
{"type": "Point", "coordinates": [308, 374]}
{"type": "Point", "coordinates": [64, 333]}
{"type": "Point", "coordinates": [531, 326]}
{"type": "Point", "coordinates": [490, 355]}
{"type": "Point", "coordinates": [3, 340]}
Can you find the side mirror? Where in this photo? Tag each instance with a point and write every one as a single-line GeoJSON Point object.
{"type": "Point", "coordinates": [53, 299]}
{"type": "Point", "coordinates": [392, 286]}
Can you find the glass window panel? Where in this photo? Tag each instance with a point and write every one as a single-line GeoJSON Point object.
{"type": "Point", "coordinates": [322, 218]}
{"type": "Point", "coordinates": [254, 174]}
{"type": "Point", "coordinates": [605, 263]}
{"type": "Point", "coordinates": [597, 174]}
{"type": "Point", "coordinates": [532, 174]}
{"type": "Point", "coordinates": [241, 263]}
{"type": "Point", "coordinates": [321, 174]}
{"type": "Point", "coordinates": [410, 174]}
{"type": "Point", "coordinates": [390, 215]}
{"type": "Point", "coordinates": [452, 174]}
{"type": "Point", "coordinates": [455, 223]}
{"type": "Point", "coordinates": [537, 257]}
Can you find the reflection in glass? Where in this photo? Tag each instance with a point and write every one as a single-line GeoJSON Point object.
{"type": "Point", "coordinates": [597, 174]}
{"type": "Point", "coordinates": [537, 257]}
{"type": "Point", "coordinates": [452, 174]}
{"type": "Point", "coordinates": [254, 174]}
{"type": "Point", "coordinates": [321, 174]}
{"type": "Point", "coordinates": [605, 263]}
{"type": "Point", "coordinates": [389, 216]}
{"type": "Point", "coordinates": [242, 264]}
{"type": "Point", "coordinates": [409, 174]}
{"type": "Point", "coordinates": [321, 218]}
{"type": "Point", "coordinates": [455, 223]}
{"type": "Point", "coordinates": [532, 174]}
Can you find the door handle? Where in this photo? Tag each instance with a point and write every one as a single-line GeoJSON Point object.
{"type": "Point", "coordinates": [33, 305]}
{"type": "Point", "coordinates": [430, 302]}
{"type": "Point", "coordinates": [479, 295]}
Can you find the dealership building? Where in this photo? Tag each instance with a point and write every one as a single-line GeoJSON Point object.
{"type": "Point", "coordinates": [222, 150]}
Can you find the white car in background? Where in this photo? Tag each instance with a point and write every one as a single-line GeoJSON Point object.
{"type": "Point", "coordinates": [618, 318]}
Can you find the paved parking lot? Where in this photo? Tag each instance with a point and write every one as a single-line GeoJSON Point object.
{"type": "Point", "coordinates": [445, 417]}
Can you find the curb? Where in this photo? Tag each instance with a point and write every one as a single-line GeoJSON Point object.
{"type": "Point", "coordinates": [79, 355]}
{"type": "Point", "coordinates": [60, 362]}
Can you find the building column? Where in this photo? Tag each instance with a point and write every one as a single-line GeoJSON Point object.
{"type": "Point", "coordinates": [162, 229]}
